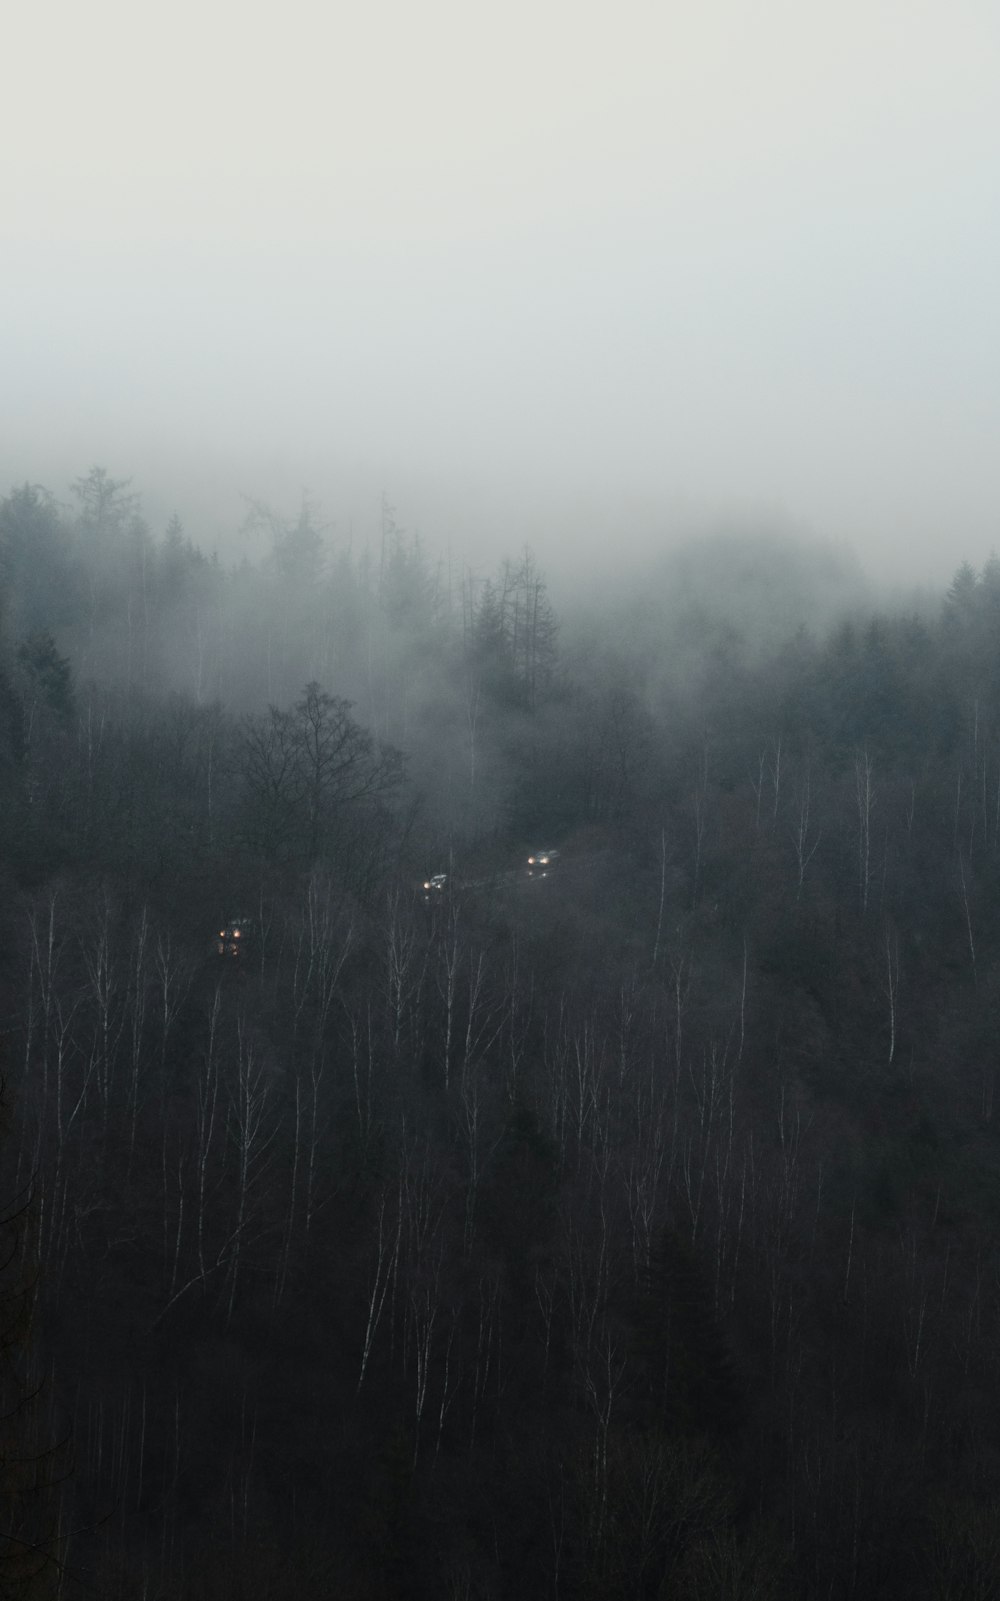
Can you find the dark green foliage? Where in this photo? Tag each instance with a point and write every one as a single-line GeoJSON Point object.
{"type": "Point", "coordinates": [37, 576]}
{"type": "Point", "coordinates": [312, 778]}
{"type": "Point", "coordinates": [517, 1210]}
{"type": "Point", "coordinates": [690, 1375]}
{"type": "Point", "coordinates": [34, 1461]}
{"type": "Point", "coordinates": [49, 675]}
{"type": "Point", "coordinates": [627, 1232]}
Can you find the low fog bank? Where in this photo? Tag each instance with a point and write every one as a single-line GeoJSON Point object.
{"type": "Point", "coordinates": [595, 536]}
{"type": "Point", "coordinates": [596, 541]}
{"type": "Point", "coordinates": [675, 583]}
{"type": "Point", "coordinates": [531, 684]}
{"type": "Point", "coordinates": [756, 584]}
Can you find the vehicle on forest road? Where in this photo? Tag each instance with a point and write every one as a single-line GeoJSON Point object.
{"type": "Point", "coordinates": [436, 884]}
{"type": "Point", "coordinates": [540, 861]}
{"type": "Point", "coordinates": [233, 936]}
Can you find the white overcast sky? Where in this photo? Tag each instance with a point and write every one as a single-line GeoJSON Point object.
{"type": "Point", "coordinates": [563, 272]}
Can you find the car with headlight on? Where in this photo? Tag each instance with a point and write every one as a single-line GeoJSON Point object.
{"type": "Point", "coordinates": [233, 937]}
{"type": "Point", "coordinates": [436, 884]}
{"type": "Point", "coordinates": [540, 861]}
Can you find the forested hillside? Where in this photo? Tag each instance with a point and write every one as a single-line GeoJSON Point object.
{"type": "Point", "coordinates": [627, 1231]}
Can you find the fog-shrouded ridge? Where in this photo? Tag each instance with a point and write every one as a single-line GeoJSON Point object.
{"type": "Point", "coordinates": [396, 625]}
{"type": "Point", "coordinates": [401, 1214]}
{"type": "Point", "coordinates": [499, 801]}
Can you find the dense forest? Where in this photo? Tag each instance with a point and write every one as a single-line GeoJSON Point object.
{"type": "Point", "coordinates": [628, 1230]}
